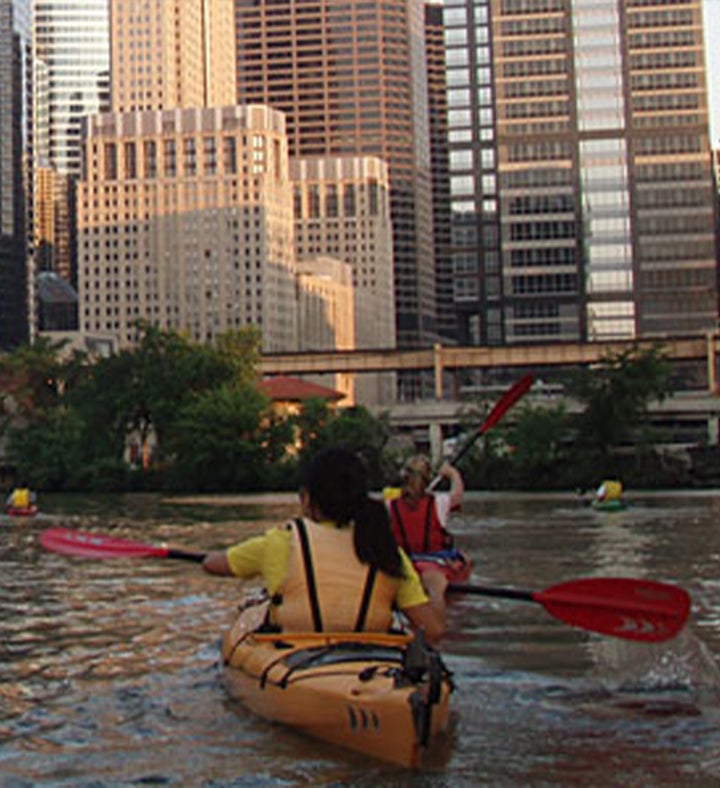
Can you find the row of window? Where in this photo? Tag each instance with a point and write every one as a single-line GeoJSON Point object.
{"type": "Point", "coordinates": [141, 160]}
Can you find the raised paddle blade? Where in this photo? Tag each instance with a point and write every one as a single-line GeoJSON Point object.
{"type": "Point", "coordinates": [90, 545]}
{"type": "Point", "coordinates": [623, 607]}
{"type": "Point", "coordinates": [619, 606]}
{"type": "Point", "coordinates": [508, 399]}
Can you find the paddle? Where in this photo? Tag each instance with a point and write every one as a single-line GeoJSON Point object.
{"type": "Point", "coordinates": [619, 606]}
{"type": "Point", "coordinates": [508, 399]}
{"type": "Point", "coordinates": [89, 545]}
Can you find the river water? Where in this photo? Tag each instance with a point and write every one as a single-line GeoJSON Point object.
{"type": "Point", "coordinates": [109, 669]}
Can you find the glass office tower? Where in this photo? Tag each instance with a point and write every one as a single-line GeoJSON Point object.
{"type": "Point", "coordinates": [580, 170]}
{"type": "Point", "coordinates": [15, 170]}
{"type": "Point", "coordinates": [72, 47]}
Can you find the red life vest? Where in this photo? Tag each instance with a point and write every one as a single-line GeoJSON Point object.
{"type": "Point", "coordinates": [418, 529]}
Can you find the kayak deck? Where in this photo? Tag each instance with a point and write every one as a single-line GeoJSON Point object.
{"type": "Point", "coordinates": [385, 696]}
{"type": "Point", "coordinates": [454, 564]}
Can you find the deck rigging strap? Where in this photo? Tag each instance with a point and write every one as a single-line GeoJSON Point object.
{"type": "Point", "coordinates": [309, 574]}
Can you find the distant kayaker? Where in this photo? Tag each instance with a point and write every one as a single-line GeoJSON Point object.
{"type": "Point", "coordinates": [337, 568]}
{"type": "Point", "coordinates": [419, 518]}
{"type": "Point", "coordinates": [609, 490]}
{"type": "Point", "coordinates": [20, 498]}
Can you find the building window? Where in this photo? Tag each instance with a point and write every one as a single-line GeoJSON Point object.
{"type": "Point", "coordinates": [130, 161]}
{"type": "Point", "coordinates": [230, 155]}
{"type": "Point", "coordinates": [189, 156]}
{"type": "Point", "coordinates": [169, 158]}
{"type": "Point", "coordinates": [110, 161]}
{"type": "Point", "coordinates": [150, 157]}
{"type": "Point", "coordinates": [209, 156]}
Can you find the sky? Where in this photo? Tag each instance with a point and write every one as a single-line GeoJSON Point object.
{"type": "Point", "coordinates": [712, 56]}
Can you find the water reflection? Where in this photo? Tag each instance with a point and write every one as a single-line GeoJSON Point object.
{"type": "Point", "coordinates": [109, 675]}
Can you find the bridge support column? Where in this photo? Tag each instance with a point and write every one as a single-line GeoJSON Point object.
{"type": "Point", "coordinates": [436, 440]}
{"type": "Point", "coordinates": [713, 431]}
{"type": "Point", "coordinates": [711, 373]}
{"type": "Point", "coordinates": [438, 370]}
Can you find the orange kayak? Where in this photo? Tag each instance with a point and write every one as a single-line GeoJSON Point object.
{"type": "Point", "coordinates": [454, 563]}
{"type": "Point", "coordinates": [386, 696]}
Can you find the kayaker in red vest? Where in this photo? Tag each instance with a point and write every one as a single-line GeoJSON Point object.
{"type": "Point", "coordinates": [419, 518]}
{"type": "Point", "coordinates": [337, 568]}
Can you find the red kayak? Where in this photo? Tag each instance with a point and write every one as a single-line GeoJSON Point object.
{"type": "Point", "coordinates": [454, 563]}
{"type": "Point", "coordinates": [22, 511]}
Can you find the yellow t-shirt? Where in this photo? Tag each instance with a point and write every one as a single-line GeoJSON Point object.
{"type": "Point", "coordinates": [267, 556]}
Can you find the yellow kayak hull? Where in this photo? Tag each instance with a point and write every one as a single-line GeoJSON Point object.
{"type": "Point", "coordinates": [348, 689]}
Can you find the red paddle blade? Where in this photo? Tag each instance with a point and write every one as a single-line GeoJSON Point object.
{"type": "Point", "coordinates": [511, 396]}
{"type": "Point", "coordinates": [622, 607]}
{"type": "Point", "coordinates": [89, 545]}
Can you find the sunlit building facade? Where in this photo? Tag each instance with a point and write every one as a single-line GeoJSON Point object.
{"type": "Point", "coordinates": [185, 222]}
{"type": "Point", "coordinates": [342, 210]}
{"type": "Point", "coordinates": [580, 170]}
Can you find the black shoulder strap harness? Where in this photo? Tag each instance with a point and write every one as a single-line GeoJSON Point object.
{"type": "Point", "coordinates": [312, 584]}
{"type": "Point", "coordinates": [395, 508]}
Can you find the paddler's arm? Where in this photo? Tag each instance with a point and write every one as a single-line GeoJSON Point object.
{"type": "Point", "coordinates": [413, 601]}
{"type": "Point", "coordinates": [457, 485]}
{"type": "Point", "coordinates": [240, 560]}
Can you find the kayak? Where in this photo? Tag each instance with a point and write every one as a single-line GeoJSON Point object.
{"type": "Point", "coordinates": [616, 505]}
{"type": "Point", "coordinates": [454, 563]}
{"type": "Point", "coordinates": [22, 511]}
{"type": "Point", "coordinates": [383, 695]}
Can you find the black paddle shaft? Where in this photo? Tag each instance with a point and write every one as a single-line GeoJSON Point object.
{"type": "Point", "coordinates": [186, 555]}
{"type": "Point", "coordinates": [505, 593]}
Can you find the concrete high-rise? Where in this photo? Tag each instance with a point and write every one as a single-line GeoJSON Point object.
{"type": "Point", "coordinates": [580, 170]}
{"type": "Point", "coordinates": [16, 160]}
{"type": "Point", "coordinates": [185, 221]}
{"type": "Point", "coordinates": [342, 210]}
{"type": "Point", "coordinates": [352, 80]}
{"type": "Point", "coordinates": [171, 53]}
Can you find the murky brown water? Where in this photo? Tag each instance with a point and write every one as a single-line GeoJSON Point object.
{"type": "Point", "coordinates": [109, 674]}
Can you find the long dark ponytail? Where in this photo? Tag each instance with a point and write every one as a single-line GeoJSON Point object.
{"type": "Point", "coordinates": [336, 482]}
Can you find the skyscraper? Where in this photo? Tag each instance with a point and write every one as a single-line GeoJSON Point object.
{"type": "Point", "coordinates": [580, 170]}
{"type": "Point", "coordinates": [185, 201]}
{"type": "Point", "coordinates": [15, 170]}
{"type": "Point", "coordinates": [171, 53]}
{"type": "Point", "coordinates": [352, 79]}
{"type": "Point", "coordinates": [72, 49]}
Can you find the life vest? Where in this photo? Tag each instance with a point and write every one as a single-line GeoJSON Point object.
{"type": "Point", "coordinates": [21, 498]}
{"type": "Point", "coordinates": [418, 529]}
{"type": "Point", "coordinates": [328, 589]}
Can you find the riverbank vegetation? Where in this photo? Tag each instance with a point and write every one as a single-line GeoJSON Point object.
{"type": "Point", "coordinates": [170, 414]}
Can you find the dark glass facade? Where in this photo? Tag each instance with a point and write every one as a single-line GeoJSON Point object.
{"type": "Point", "coordinates": [15, 170]}
{"type": "Point", "coordinates": [580, 170]}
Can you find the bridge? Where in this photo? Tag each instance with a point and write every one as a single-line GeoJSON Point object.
{"type": "Point", "coordinates": [440, 358]}
{"type": "Point", "coordinates": [685, 409]}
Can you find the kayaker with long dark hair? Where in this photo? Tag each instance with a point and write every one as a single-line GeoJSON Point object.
{"type": "Point", "coordinates": [338, 567]}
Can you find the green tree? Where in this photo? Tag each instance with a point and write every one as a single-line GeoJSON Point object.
{"type": "Point", "coordinates": [48, 452]}
{"type": "Point", "coordinates": [616, 395]}
{"type": "Point", "coordinates": [217, 441]}
{"type": "Point", "coordinates": [358, 430]}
